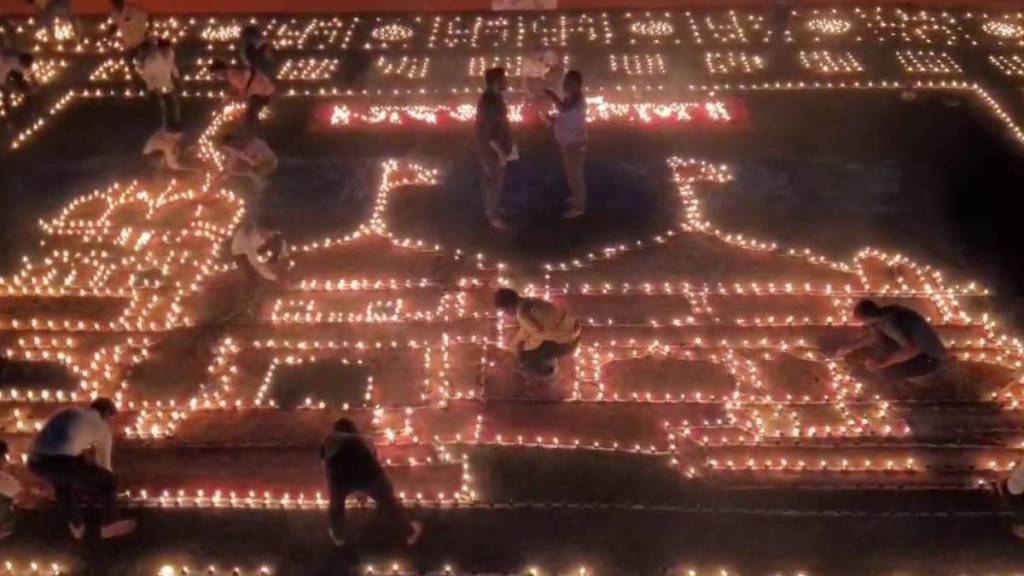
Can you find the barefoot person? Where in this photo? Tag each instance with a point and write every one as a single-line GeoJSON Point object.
{"type": "Point", "coordinates": [903, 346]}
{"type": "Point", "coordinates": [570, 125]}
{"type": "Point", "coordinates": [58, 455]}
{"type": "Point", "coordinates": [546, 332]}
{"type": "Point", "coordinates": [493, 143]}
{"type": "Point", "coordinates": [261, 253]}
{"type": "Point", "coordinates": [351, 463]}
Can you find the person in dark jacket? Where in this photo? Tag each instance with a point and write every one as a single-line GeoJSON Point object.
{"type": "Point", "coordinates": [351, 463]}
{"type": "Point", "coordinates": [494, 147]}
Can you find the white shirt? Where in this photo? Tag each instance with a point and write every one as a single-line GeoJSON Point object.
{"type": "Point", "coordinates": [71, 432]}
{"type": "Point", "coordinates": [571, 124]}
{"type": "Point", "coordinates": [158, 71]}
{"type": "Point", "coordinates": [247, 242]}
{"type": "Point", "coordinates": [539, 63]}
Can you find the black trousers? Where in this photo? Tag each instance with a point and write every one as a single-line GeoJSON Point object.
{"type": "Point", "coordinates": [254, 106]}
{"type": "Point", "coordinates": [340, 485]}
{"type": "Point", "coordinates": [170, 110]}
{"type": "Point", "coordinates": [70, 474]}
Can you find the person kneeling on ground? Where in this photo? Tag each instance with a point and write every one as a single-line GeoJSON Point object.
{"type": "Point", "coordinates": [9, 490]}
{"type": "Point", "coordinates": [262, 255]}
{"type": "Point", "coordinates": [904, 346]}
{"type": "Point", "coordinates": [546, 333]}
{"type": "Point", "coordinates": [351, 463]}
{"type": "Point", "coordinates": [58, 456]}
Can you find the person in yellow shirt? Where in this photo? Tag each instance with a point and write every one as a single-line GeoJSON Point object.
{"type": "Point", "coordinates": [546, 332]}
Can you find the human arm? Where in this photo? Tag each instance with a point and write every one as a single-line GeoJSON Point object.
{"type": "Point", "coordinates": [867, 338]}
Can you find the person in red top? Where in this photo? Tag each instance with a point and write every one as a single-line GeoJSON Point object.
{"type": "Point", "coordinates": [248, 83]}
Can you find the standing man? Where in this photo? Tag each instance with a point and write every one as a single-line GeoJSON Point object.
{"type": "Point", "coordinates": [133, 24]}
{"type": "Point", "coordinates": [247, 83]}
{"type": "Point", "coordinates": [161, 76]}
{"type": "Point", "coordinates": [494, 146]}
{"type": "Point", "coordinates": [904, 346]}
{"type": "Point", "coordinates": [546, 333]}
{"type": "Point", "coordinates": [351, 463]}
{"type": "Point", "coordinates": [570, 126]}
{"type": "Point", "coordinates": [58, 455]}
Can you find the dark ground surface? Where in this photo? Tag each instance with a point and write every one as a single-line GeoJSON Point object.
{"type": "Point", "coordinates": [830, 171]}
{"type": "Point", "coordinates": [934, 179]}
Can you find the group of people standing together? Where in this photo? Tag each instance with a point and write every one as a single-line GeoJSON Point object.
{"type": "Point", "coordinates": [494, 146]}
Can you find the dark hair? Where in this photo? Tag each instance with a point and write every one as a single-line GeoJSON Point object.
{"type": "Point", "coordinates": [575, 76]}
{"type": "Point", "coordinates": [492, 75]}
{"type": "Point", "coordinates": [867, 309]}
{"type": "Point", "coordinates": [3, 450]}
{"type": "Point", "coordinates": [250, 32]}
{"type": "Point", "coordinates": [105, 406]}
{"type": "Point", "coordinates": [163, 43]}
{"type": "Point", "coordinates": [506, 298]}
{"type": "Point", "coordinates": [345, 426]}
{"type": "Point", "coordinates": [26, 59]}
{"type": "Point", "coordinates": [218, 66]}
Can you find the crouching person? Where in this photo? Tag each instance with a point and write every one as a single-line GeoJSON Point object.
{"type": "Point", "coordinates": [351, 463]}
{"type": "Point", "coordinates": [546, 333]}
{"type": "Point", "coordinates": [58, 455]}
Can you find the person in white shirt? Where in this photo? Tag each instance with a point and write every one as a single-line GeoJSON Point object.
{"type": "Point", "coordinates": [58, 455]}
{"type": "Point", "coordinates": [161, 76]}
{"type": "Point", "coordinates": [570, 126]}
{"type": "Point", "coordinates": [16, 70]}
{"type": "Point", "coordinates": [9, 490]}
{"type": "Point", "coordinates": [262, 255]}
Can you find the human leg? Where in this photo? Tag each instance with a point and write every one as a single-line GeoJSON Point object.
{"type": "Point", "coordinates": [58, 472]}
{"type": "Point", "coordinates": [493, 174]}
{"type": "Point", "coordinates": [338, 491]}
{"type": "Point", "coordinates": [388, 505]}
{"type": "Point", "coordinates": [573, 161]}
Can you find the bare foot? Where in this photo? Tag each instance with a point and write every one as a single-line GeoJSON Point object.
{"type": "Point", "coordinates": [417, 531]}
{"type": "Point", "coordinates": [118, 529]}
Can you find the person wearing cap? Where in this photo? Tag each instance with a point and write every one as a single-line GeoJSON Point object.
{"type": "Point", "coordinates": [351, 463]}
{"type": "Point", "coordinates": [58, 454]}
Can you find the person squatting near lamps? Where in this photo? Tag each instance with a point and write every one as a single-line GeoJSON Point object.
{"type": "Point", "coordinates": [351, 464]}
{"type": "Point", "coordinates": [250, 84]}
{"type": "Point", "coordinates": [902, 345]}
{"type": "Point", "coordinates": [547, 332]}
{"type": "Point", "coordinates": [262, 255]}
{"type": "Point", "coordinates": [494, 146]}
{"type": "Point", "coordinates": [570, 127]}
{"type": "Point", "coordinates": [58, 455]}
